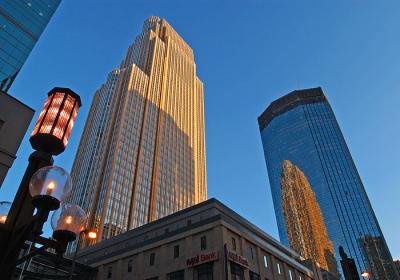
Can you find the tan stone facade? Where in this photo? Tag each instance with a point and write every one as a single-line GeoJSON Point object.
{"type": "Point", "coordinates": [206, 241]}
{"type": "Point", "coordinates": [15, 117]}
{"type": "Point", "coordinates": [304, 221]}
{"type": "Point", "coordinates": [142, 153]}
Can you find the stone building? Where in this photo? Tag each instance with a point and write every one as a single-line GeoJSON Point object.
{"type": "Point", "coordinates": [205, 241]}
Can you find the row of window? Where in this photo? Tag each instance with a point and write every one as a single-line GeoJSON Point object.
{"type": "Point", "coordinates": [204, 272]}
{"type": "Point", "coordinates": [152, 257]}
{"type": "Point", "coordinates": [250, 255]}
{"type": "Point", "coordinates": [237, 273]}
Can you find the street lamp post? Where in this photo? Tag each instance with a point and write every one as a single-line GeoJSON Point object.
{"type": "Point", "coordinates": [88, 234]}
{"type": "Point", "coordinates": [49, 137]}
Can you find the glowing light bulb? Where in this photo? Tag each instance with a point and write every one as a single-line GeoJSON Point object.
{"type": "Point", "coordinates": [51, 185]}
{"type": "Point", "coordinates": [3, 219]}
{"type": "Point", "coordinates": [68, 220]}
{"type": "Point", "coordinates": [92, 235]}
{"type": "Point", "coordinates": [365, 274]}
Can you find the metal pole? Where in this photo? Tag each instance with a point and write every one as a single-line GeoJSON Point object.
{"type": "Point", "coordinates": [71, 272]}
{"type": "Point", "coordinates": [19, 221]}
{"type": "Point", "coordinates": [24, 264]}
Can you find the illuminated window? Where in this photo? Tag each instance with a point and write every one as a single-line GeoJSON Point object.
{"type": "Point", "coordinates": [265, 261]}
{"type": "Point", "coordinates": [279, 268]}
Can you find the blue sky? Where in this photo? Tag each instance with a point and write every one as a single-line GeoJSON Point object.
{"type": "Point", "coordinates": [248, 53]}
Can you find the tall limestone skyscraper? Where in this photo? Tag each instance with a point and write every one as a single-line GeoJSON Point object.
{"type": "Point", "coordinates": [142, 152]}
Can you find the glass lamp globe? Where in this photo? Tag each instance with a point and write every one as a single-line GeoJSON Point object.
{"type": "Point", "coordinates": [5, 207]}
{"type": "Point", "coordinates": [49, 186]}
{"type": "Point", "coordinates": [68, 222]}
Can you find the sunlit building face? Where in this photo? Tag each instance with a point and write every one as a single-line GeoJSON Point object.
{"type": "Point", "coordinates": [142, 153]}
{"type": "Point", "coordinates": [301, 128]}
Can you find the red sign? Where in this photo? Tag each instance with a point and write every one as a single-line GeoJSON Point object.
{"type": "Point", "coordinates": [232, 256]}
{"type": "Point", "coordinates": [202, 258]}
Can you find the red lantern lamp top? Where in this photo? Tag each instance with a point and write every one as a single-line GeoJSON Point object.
{"type": "Point", "coordinates": [56, 120]}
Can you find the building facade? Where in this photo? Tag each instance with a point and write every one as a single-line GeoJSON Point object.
{"type": "Point", "coordinates": [12, 130]}
{"type": "Point", "coordinates": [301, 127]}
{"type": "Point", "coordinates": [21, 24]}
{"type": "Point", "coordinates": [397, 264]}
{"type": "Point", "coordinates": [142, 153]}
{"type": "Point", "coordinates": [204, 242]}
{"type": "Point", "coordinates": [305, 226]}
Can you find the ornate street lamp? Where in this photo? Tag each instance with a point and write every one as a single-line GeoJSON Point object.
{"type": "Point", "coordinates": [68, 222]}
{"type": "Point", "coordinates": [56, 120]}
{"type": "Point", "coordinates": [49, 186]}
{"type": "Point", "coordinates": [49, 137]}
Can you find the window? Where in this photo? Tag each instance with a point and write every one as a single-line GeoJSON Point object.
{"type": "Point", "coordinates": [254, 276]}
{"type": "Point", "coordinates": [233, 244]}
{"type": "Point", "coordinates": [177, 275]}
{"type": "Point", "coordinates": [205, 271]}
{"type": "Point", "coordinates": [109, 272]}
{"type": "Point", "coordinates": [290, 275]}
{"type": "Point", "coordinates": [266, 261]}
{"type": "Point", "coordinates": [176, 251]}
{"type": "Point", "coordinates": [152, 258]}
{"type": "Point", "coordinates": [203, 243]}
{"type": "Point", "coordinates": [130, 265]}
{"type": "Point", "coordinates": [278, 266]}
{"type": "Point", "coordinates": [250, 253]}
{"type": "Point", "coordinates": [189, 222]}
{"type": "Point", "coordinates": [237, 272]}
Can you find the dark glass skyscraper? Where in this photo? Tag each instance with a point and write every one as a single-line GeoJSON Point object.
{"type": "Point", "coordinates": [21, 24]}
{"type": "Point", "coordinates": [301, 128]}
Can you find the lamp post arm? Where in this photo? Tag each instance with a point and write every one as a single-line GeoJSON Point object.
{"type": "Point", "coordinates": [31, 255]}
